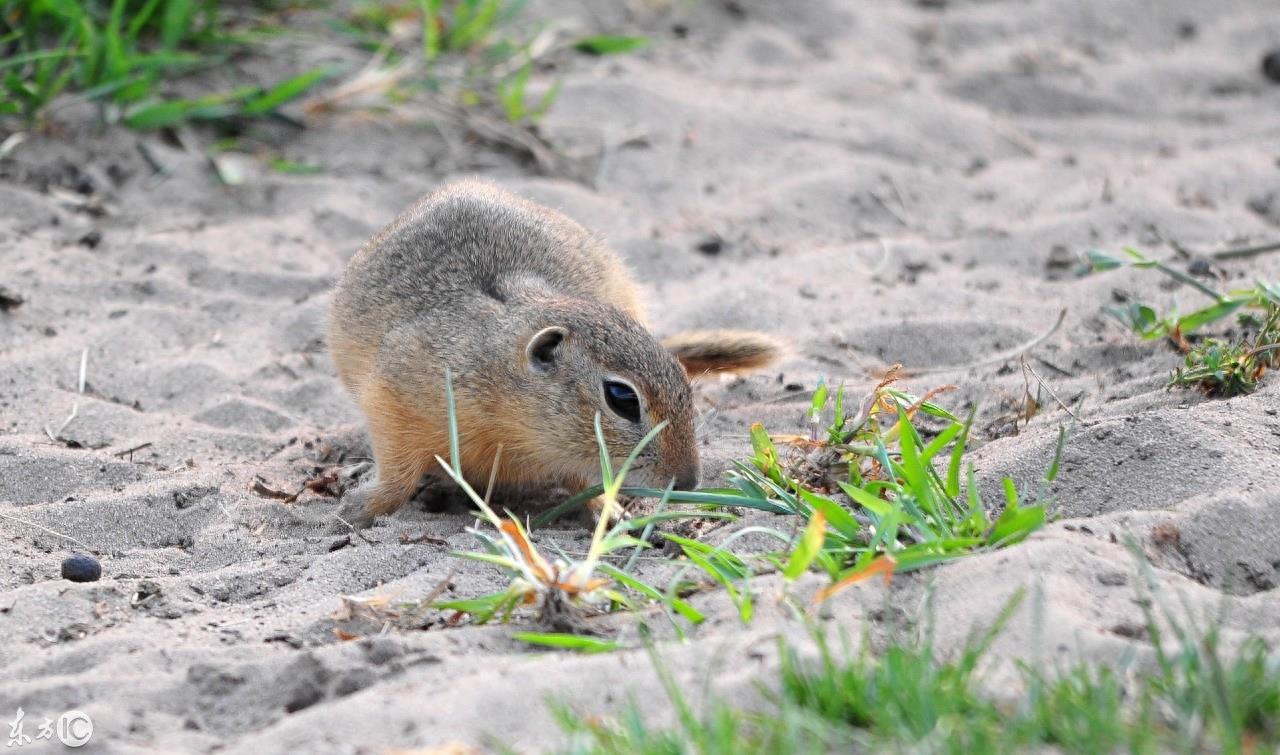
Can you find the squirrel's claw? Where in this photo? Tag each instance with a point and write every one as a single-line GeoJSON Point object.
{"type": "Point", "coordinates": [353, 512]}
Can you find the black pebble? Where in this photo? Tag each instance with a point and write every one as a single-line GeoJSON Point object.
{"type": "Point", "coordinates": [91, 239]}
{"type": "Point", "coordinates": [81, 568]}
{"type": "Point", "coordinates": [1271, 66]}
{"type": "Point", "coordinates": [1201, 266]}
{"type": "Point", "coordinates": [710, 246]}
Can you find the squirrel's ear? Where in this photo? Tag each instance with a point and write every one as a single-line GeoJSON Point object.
{"type": "Point", "coordinates": [544, 347]}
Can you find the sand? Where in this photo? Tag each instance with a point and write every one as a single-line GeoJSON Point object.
{"type": "Point", "coordinates": [872, 182]}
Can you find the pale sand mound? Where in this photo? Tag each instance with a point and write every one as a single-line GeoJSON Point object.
{"type": "Point", "coordinates": [746, 168]}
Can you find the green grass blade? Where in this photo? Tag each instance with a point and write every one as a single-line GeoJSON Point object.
{"type": "Point", "coordinates": [635, 452]}
{"type": "Point", "coordinates": [451, 406]}
{"type": "Point", "coordinates": [610, 45]}
{"type": "Point", "coordinates": [577, 642]}
{"type": "Point", "coordinates": [606, 464]}
{"type": "Point", "coordinates": [940, 442]}
{"type": "Point", "coordinates": [676, 604]}
{"type": "Point", "coordinates": [808, 548]}
{"type": "Point", "coordinates": [877, 506]}
{"type": "Point", "coordinates": [285, 91]}
{"type": "Point", "coordinates": [1051, 473]}
{"type": "Point", "coordinates": [912, 467]}
{"type": "Point", "coordinates": [1202, 317]}
{"type": "Point", "coordinates": [839, 518]}
{"type": "Point", "coordinates": [1010, 493]}
{"type": "Point", "coordinates": [1015, 524]}
{"type": "Point", "coordinates": [430, 29]}
{"type": "Point", "coordinates": [176, 23]}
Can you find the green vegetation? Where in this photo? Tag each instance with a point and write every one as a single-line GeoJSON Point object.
{"type": "Point", "coordinates": [903, 507]}
{"type": "Point", "coordinates": [908, 699]}
{"type": "Point", "coordinates": [120, 54]}
{"type": "Point", "coordinates": [126, 55]}
{"type": "Point", "coordinates": [874, 503]}
{"type": "Point", "coordinates": [1220, 368]}
{"type": "Point", "coordinates": [610, 45]}
{"type": "Point", "coordinates": [488, 66]}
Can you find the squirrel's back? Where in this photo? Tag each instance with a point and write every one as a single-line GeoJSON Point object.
{"type": "Point", "coordinates": [472, 238]}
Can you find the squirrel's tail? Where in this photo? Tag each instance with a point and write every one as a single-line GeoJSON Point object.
{"type": "Point", "coordinates": [723, 351]}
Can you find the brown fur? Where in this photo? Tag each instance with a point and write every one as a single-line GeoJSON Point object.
{"type": "Point", "coordinates": [722, 351]}
{"type": "Point", "coordinates": [462, 281]}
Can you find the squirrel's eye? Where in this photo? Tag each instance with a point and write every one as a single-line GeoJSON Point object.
{"type": "Point", "coordinates": [622, 399]}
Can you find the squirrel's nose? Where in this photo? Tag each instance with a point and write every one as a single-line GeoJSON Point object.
{"type": "Point", "coordinates": [689, 477]}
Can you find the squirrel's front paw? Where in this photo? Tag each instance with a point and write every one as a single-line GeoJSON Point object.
{"type": "Point", "coordinates": [353, 512]}
{"type": "Point", "coordinates": [594, 510]}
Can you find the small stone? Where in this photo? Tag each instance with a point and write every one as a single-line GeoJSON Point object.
{"type": "Point", "coordinates": [710, 246]}
{"type": "Point", "coordinates": [1112, 578]}
{"type": "Point", "coordinates": [148, 591]}
{"type": "Point", "coordinates": [91, 239]}
{"type": "Point", "coordinates": [79, 567]}
{"type": "Point", "coordinates": [9, 299]}
{"type": "Point", "coordinates": [1060, 258]}
{"type": "Point", "coordinates": [1271, 66]}
{"type": "Point", "coordinates": [1201, 267]}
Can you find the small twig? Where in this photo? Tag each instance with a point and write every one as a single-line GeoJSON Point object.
{"type": "Point", "coordinates": [896, 193]}
{"type": "Point", "coordinates": [158, 168]}
{"type": "Point", "coordinates": [493, 473]}
{"type": "Point", "coordinates": [1054, 367]}
{"type": "Point", "coordinates": [407, 539]}
{"type": "Point", "coordinates": [499, 132]}
{"type": "Point", "coordinates": [1230, 254]}
{"type": "Point", "coordinates": [1182, 277]}
{"type": "Point", "coordinates": [129, 451]}
{"type": "Point", "coordinates": [354, 530]}
{"type": "Point", "coordinates": [373, 77]}
{"type": "Point", "coordinates": [1002, 357]}
{"type": "Point", "coordinates": [896, 215]}
{"type": "Point", "coordinates": [54, 435]}
{"type": "Point", "coordinates": [75, 406]}
{"type": "Point", "coordinates": [84, 368]}
{"type": "Point", "coordinates": [1246, 251]}
{"type": "Point", "coordinates": [1046, 386]}
{"type": "Point", "coordinates": [543, 44]}
{"type": "Point", "coordinates": [46, 529]}
{"type": "Point", "coordinates": [260, 488]}
{"type": "Point", "coordinates": [438, 590]}
{"type": "Point", "coordinates": [11, 143]}
{"type": "Point", "coordinates": [1032, 404]}
{"type": "Point", "coordinates": [1262, 350]}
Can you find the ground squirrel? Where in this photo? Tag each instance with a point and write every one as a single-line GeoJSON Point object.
{"type": "Point", "coordinates": [541, 327]}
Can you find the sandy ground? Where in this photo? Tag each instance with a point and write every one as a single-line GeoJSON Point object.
{"type": "Point", "coordinates": [874, 182]}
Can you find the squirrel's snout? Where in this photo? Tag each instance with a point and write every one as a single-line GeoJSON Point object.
{"type": "Point", "coordinates": [689, 477]}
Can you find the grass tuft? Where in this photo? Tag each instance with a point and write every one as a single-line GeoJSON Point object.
{"type": "Point", "coordinates": [879, 490]}
{"type": "Point", "coordinates": [1219, 368]}
{"type": "Point", "coordinates": [121, 54]}
{"type": "Point", "coordinates": [909, 699]}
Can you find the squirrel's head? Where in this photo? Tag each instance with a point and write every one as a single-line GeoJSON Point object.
{"type": "Point", "coordinates": [597, 360]}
